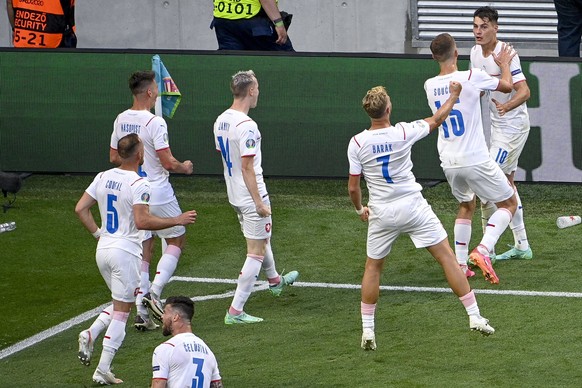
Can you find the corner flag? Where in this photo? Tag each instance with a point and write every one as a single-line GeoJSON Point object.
{"type": "Point", "coordinates": [168, 94]}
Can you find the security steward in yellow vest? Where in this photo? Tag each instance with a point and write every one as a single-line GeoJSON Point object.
{"type": "Point", "coordinates": [42, 23]}
{"type": "Point", "coordinates": [250, 25]}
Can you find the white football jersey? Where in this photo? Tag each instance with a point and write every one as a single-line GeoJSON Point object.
{"type": "Point", "coordinates": [116, 191]}
{"type": "Point", "coordinates": [383, 156]}
{"type": "Point", "coordinates": [517, 119]}
{"type": "Point", "coordinates": [461, 140]}
{"type": "Point", "coordinates": [185, 361]}
{"type": "Point", "coordinates": [153, 132]}
{"type": "Point", "coordinates": [237, 136]}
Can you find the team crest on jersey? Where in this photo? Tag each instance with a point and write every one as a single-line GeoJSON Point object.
{"type": "Point", "coordinates": [145, 197]}
{"type": "Point", "coordinates": [250, 143]}
{"type": "Point", "coordinates": [268, 228]}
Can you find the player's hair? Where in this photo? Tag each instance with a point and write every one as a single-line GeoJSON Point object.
{"type": "Point", "coordinates": [375, 102]}
{"type": "Point", "coordinates": [241, 82]}
{"type": "Point", "coordinates": [182, 305]}
{"type": "Point", "coordinates": [127, 146]}
{"type": "Point", "coordinates": [488, 14]}
{"type": "Point", "coordinates": [443, 47]}
{"type": "Point", "coordinates": [140, 81]}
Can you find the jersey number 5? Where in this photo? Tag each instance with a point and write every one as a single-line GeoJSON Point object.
{"type": "Point", "coordinates": [224, 150]}
{"type": "Point", "coordinates": [456, 120]}
{"type": "Point", "coordinates": [112, 216]}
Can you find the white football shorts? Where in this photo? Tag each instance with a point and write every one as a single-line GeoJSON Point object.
{"type": "Point", "coordinates": [486, 180]}
{"type": "Point", "coordinates": [120, 270]}
{"type": "Point", "coordinates": [253, 226]}
{"type": "Point", "coordinates": [171, 209]}
{"type": "Point", "coordinates": [412, 215]}
{"type": "Point", "coordinates": [506, 148]}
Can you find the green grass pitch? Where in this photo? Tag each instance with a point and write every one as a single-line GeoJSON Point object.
{"type": "Point", "coordinates": [310, 336]}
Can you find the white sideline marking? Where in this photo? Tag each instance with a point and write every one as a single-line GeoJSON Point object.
{"type": "Point", "coordinates": [261, 285]}
{"type": "Point", "coordinates": [391, 288]}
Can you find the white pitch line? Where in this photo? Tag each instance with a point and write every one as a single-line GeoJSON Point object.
{"type": "Point", "coordinates": [262, 285]}
{"type": "Point", "coordinates": [391, 288]}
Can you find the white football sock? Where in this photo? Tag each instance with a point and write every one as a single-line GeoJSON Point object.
{"type": "Point", "coordinates": [166, 268]}
{"type": "Point", "coordinates": [246, 279]}
{"type": "Point", "coordinates": [497, 224]}
{"type": "Point", "coordinates": [517, 226]}
{"type": "Point", "coordinates": [462, 233]}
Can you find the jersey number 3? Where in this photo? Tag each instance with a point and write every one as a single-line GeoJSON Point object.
{"type": "Point", "coordinates": [198, 380]}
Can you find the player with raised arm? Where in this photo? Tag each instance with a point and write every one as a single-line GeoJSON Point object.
{"type": "Point", "coordinates": [382, 154]}
{"type": "Point", "coordinates": [123, 197]}
{"type": "Point", "coordinates": [509, 121]}
{"type": "Point", "coordinates": [158, 163]}
{"type": "Point", "coordinates": [463, 152]}
{"type": "Point", "coordinates": [238, 140]}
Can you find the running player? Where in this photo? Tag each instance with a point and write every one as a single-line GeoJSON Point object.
{"type": "Point", "coordinates": [382, 154]}
{"type": "Point", "coordinates": [122, 196]}
{"type": "Point", "coordinates": [238, 139]}
{"type": "Point", "coordinates": [158, 164]}
{"type": "Point", "coordinates": [463, 152]}
{"type": "Point", "coordinates": [509, 121]}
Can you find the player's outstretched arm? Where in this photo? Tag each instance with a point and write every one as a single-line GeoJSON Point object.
{"type": "Point", "coordinates": [443, 112]}
{"type": "Point", "coordinates": [146, 221]}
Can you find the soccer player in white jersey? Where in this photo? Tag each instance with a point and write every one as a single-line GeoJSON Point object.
{"type": "Point", "coordinates": [123, 197]}
{"type": "Point", "coordinates": [509, 121]}
{"type": "Point", "coordinates": [184, 360]}
{"type": "Point", "coordinates": [238, 139]}
{"type": "Point", "coordinates": [158, 163]}
{"type": "Point", "coordinates": [382, 154]}
{"type": "Point", "coordinates": [463, 152]}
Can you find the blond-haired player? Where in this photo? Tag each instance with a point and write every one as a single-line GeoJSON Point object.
{"type": "Point", "coordinates": [382, 154]}
{"type": "Point", "coordinates": [238, 140]}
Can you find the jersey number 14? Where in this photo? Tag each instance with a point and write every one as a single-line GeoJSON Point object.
{"type": "Point", "coordinates": [224, 150]}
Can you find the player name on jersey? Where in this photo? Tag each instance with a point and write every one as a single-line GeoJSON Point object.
{"type": "Point", "coordinates": [113, 185]}
{"type": "Point", "coordinates": [130, 128]}
{"type": "Point", "coordinates": [193, 347]}
{"type": "Point", "coordinates": [381, 148]}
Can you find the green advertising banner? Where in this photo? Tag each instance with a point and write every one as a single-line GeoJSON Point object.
{"type": "Point", "coordinates": [58, 108]}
